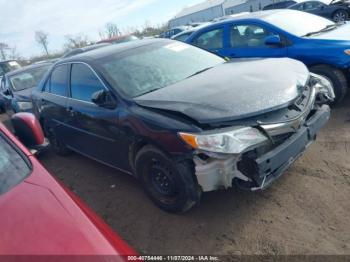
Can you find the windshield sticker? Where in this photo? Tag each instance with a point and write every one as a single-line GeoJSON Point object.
{"type": "Point", "coordinates": [13, 63]}
{"type": "Point", "coordinates": [176, 47]}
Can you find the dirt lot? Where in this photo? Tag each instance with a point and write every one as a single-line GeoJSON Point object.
{"type": "Point", "coordinates": [306, 212]}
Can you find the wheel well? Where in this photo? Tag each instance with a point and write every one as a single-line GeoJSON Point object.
{"type": "Point", "coordinates": [41, 121]}
{"type": "Point", "coordinates": [134, 148]}
{"type": "Point", "coordinates": [338, 11]}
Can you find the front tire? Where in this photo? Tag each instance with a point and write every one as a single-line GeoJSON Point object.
{"type": "Point", "coordinates": [170, 185]}
{"type": "Point", "coordinates": [337, 79]}
{"type": "Point", "coordinates": [340, 16]}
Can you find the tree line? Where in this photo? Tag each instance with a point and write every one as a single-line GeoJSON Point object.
{"type": "Point", "coordinates": [42, 39]}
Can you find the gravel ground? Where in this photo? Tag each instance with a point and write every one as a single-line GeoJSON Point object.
{"type": "Point", "coordinates": [306, 212]}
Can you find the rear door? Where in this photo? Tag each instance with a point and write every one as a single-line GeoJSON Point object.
{"type": "Point", "coordinates": [315, 7]}
{"type": "Point", "coordinates": [93, 129]}
{"type": "Point", "coordinates": [52, 101]}
{"type": "Point", "coordinates": [248, 40]}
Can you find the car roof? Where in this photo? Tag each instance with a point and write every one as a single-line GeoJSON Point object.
{"type": "Point", "coordinates": [259, 15]}
{"type": "Point", "coordinates": [84, 49]}
{"type": "Point", "coordinates": [113, 49]}
{"type": "Point", "coordinates": [30, 67]}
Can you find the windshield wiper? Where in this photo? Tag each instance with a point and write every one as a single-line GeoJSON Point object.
{"type": "Point", "coordinates": [200, 71]}
{"type": "Point", "coordinates": [327, 28]}
{"type": "Point", "coordinates": [150, 91]}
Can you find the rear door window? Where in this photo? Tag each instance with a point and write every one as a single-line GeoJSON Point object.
{"type": "Point", "coordinates": [210, 40]}
{"type": "Point", "coordinates": [14, 167]}
{"type": "Point", "coordinates": [58, 83]}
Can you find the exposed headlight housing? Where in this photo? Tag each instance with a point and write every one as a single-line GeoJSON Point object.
{"type": "Point", "coordinates": [234, 141]}
{"type": "Point", "coordinates": [323, 86]}
{"type": "Point", "coordinates": [24, 106]}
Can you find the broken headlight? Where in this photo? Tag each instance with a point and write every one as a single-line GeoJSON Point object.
{"type": "Point", "coordinates": [226, 141]}
{"type": "Point", "coordinates": [323, 86]}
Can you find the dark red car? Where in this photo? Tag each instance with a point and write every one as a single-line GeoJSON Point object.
{"type": "Point", "coordinates": [38, 215]}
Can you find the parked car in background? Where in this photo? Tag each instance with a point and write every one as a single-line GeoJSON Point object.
{"type": "Point", "coordinates": [318, 42]}
{"type": "Point", "coordinates": [337, 12]}
{"type": "Point", "coordinates": [174, 31]}
{"type": "Point", "coordinates": [8, 66]}
{"type": "Point", "coordinates": [120, 39]}
{"type": "Point", "coordinates": [84, 49]}
{"type": "Point", "coordinates": [170, 115]}
{"type": "Point", "coordinates": [16, 87]}
{"type": "Point", "coordinates": [38, 215]}
{"type": "Point", "coordinates": [279, 5]}
{"type": "Point", "coordinates": [182, 36]}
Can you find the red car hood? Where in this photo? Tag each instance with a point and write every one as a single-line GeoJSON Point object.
{"type": "Point", "coordinates": [39, 217]}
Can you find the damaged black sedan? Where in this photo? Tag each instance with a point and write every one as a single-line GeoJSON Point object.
{"type": "Point", "coordinates": [180, 119]}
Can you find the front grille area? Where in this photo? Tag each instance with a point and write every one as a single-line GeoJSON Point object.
{"type": "Point", "coordinates": [294, 117]}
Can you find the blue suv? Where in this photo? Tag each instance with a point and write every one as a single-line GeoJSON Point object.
{"type": "Point", "coordinates": [318, 42]}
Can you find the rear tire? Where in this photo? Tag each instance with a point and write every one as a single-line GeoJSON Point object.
{"type": "Point", "coordinates": [170, 185]}
{"type": "Point", "coordinates": [340, 16]}
{"type": "Point", "coordinates": [337, 78]}
{"type": "Point", "coordinates": [56, 145]}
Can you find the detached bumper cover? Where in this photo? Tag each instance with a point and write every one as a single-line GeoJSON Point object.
{"type": "Point", "coordinates": [272, 165]}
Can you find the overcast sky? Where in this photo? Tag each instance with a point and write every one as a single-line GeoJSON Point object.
{"type": "Point", "coordinates": [19, 19]}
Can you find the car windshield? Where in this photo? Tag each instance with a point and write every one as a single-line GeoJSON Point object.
{"type": "Point", "coordinates": [148, 68]}
{"type": "Point", "coordinates": [298, 23]}
{"type": "Point", "coordinates": [13, 167]}
{"type": "Point", "coordinates": [9, 66]}
{"type": "Point", "coordinates": [28, 79]}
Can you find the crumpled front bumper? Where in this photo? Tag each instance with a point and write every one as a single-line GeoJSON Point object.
{"type": "Point", "coordinates": [257, 173]}
{"type": "Point", "coordinates": [272, 165]}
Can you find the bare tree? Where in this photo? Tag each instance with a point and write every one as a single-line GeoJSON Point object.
{"type": "Point", "coordinates": [77, 41]}
{"type": "Point", "coordinates": [3, 48]}
{"type": "Point", "coordinates": [14, 54]}
{"type": "Point", "coordinates": [42, 39]}
{"type": "Point", "coordinates": [110, 30]}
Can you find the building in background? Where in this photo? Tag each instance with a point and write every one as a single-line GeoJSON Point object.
{"type": "Point", "coordinates": [211, 9]}
{"type": "Point", "coordinates": [238, 6]}
{"type": "Point", "coordinates": [202, 12]}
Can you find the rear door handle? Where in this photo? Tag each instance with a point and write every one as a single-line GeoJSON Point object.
{"type": "Point", "coordinates": [70, 110]}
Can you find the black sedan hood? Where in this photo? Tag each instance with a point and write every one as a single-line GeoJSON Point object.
{"type": "Point", "coordinates": [233, 90]}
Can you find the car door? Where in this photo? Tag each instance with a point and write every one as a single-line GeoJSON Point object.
{"type": "Point", "coordinates": [52, 101]}
{"type": "Point", "coordinates": [315, 7]}
{"type": "Point", "coordinates": [248, 40]}
{"type": "Point", "coordinates": [211, 40]}
{"type": "Point", "coordinates": [93, 129]}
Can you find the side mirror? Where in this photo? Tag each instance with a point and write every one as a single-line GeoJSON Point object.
{"type": "Point", "coordinates": [273, 40]}
{"type": "Point", "coordinates": [104, 99]}
{"type": "Point", "coordinates": [28, 130]}
{"type": "Point", "coordinates": [7, 92]}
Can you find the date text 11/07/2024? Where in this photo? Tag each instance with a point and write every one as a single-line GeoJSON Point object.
{"type": "Point", "coordinates": [173, 258]}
